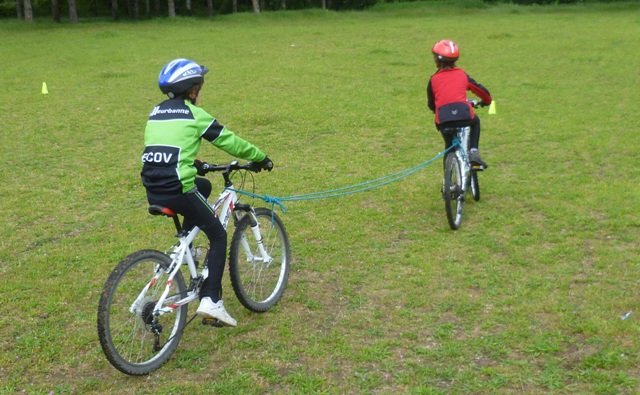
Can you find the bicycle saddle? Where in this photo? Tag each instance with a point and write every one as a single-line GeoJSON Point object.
{"type": "Point", "coordinates": [160, 210]}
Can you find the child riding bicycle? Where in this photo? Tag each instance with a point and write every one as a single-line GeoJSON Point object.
{"type": "Point", "coordinates": [172, 139]}
{"type": "Point", "coordinates": [447, 97]}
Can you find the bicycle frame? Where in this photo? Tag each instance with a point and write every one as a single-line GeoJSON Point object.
{"type": "Point", "coordinates": [225, 206]}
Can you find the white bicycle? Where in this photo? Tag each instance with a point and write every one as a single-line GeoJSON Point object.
{"type": "Point", "coordinates": [143, 308]}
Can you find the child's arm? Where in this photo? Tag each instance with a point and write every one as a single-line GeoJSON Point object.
{"type": "Point", "coordinates": [238, 147]}
{"type": "Point", "coordinates": [479, 90]}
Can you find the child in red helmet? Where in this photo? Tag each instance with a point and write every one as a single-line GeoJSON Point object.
{"type": "Point", "coordinates": [447, 97]}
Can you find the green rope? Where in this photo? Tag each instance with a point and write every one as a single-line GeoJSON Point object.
{"type": "Point", "coordinates": [350, 189]}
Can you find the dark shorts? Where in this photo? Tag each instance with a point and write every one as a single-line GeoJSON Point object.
{"type": "Point", "coordinates": [474, 138]}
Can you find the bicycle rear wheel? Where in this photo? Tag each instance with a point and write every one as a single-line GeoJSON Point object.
{"type": "Point", "coordinates": [452, 191]}
{"type": "Point", "coordinates": [475, 185]}
{"type": "Point", "coordinates": [125, 330]}
{"type": "Point", "coordinates": [259, 284]}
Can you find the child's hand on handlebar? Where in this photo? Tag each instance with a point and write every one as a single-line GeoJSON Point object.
{"type": "Point", "coordinates": [199, 165]}
{"type": "Point", "coordinates": [265, 164]}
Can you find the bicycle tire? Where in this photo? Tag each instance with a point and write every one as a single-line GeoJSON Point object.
{"type": "Point", "coordinates": [452, 191]}
{"type": "Point", "coordinates": [258, 285]}
{"type": "Point", "coordinates": [475, 186]}
{"type": "Point", "coordinates": [126, 337]}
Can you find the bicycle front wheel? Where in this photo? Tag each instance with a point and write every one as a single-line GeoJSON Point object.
{"type": "Point", "coordinates": [130, 339]}
{"type": "Point", "coordinates": [453, 192]}
{"type": "Point", "coordinates": [259, 281]}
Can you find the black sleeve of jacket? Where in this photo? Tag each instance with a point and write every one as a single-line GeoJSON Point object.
{"type": "Point", "coordinates": [431, 101]}
{"type": "Point", "coordinates": [482, 92]}
{"type": "Point", "coordinates": [213, 131]}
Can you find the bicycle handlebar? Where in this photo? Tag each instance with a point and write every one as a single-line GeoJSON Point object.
{"type": "Point", "coordinates": [476, 103]}
{"type": "Point", "coordinates": [210, 167]}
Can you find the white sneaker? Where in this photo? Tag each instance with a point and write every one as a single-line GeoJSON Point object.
{"type": "Point", "coordinates": [215, 310]}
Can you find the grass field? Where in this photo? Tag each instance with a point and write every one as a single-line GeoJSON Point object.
{"type": "Point", "coordinates": [526, 297]}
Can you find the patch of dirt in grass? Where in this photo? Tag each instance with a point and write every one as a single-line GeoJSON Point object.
{"type": "Point", "coordinates": [576, 351]}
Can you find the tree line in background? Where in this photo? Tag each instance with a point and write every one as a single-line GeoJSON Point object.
{"type": "Point", "coordinates": [143, 9]}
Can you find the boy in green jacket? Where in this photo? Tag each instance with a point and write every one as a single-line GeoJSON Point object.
{"type": "Point", "coordinates": [172, 138]}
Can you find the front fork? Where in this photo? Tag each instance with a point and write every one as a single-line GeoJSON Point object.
{"type": "Point", "coordinates": [257, 235]}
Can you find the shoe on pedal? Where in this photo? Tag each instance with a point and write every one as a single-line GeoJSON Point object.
{"type": "Point", "coordinates": [209, 309]}
{"type": "Point", "coordinates": [476, 161]}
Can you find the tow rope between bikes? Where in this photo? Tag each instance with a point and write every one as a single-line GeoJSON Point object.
{"type": "Point", "coordinates": [350, 189]}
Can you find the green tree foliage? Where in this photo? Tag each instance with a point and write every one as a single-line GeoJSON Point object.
{"type": "Point", "coordinates": [132, 9]}
{"type": "Point", "coordinates": [137, 9]}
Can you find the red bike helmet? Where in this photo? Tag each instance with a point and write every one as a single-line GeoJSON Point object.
{"type": "Point", "coordinates": [446, 50]}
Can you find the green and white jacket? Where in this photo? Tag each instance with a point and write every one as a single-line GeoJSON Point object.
{"type": "Point", "coordinates": [172, 140]}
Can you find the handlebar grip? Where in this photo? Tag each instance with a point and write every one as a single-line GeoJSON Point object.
{"type": "Point", "coordinates": [209, 167]}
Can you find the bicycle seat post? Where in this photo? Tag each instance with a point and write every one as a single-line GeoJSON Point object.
{"type": "Point", "coordinates": [159, 210]}
{"type": "Point", "coordinates": [176, 222]}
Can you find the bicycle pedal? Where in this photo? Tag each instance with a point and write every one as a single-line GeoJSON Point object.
{"type": "Point", "coordinates": [212, 322]}
{"type": "Point", "coordinates": [477, 167]}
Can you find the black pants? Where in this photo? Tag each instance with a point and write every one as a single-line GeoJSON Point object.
{"type": "Point", "coordinates": [197, 212]}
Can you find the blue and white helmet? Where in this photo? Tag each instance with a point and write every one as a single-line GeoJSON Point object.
{"type": "Point", "coordinates": [177, 76]}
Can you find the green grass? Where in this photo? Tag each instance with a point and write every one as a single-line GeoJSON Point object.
{"type": "Point", "coordinates": [383, 298]}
